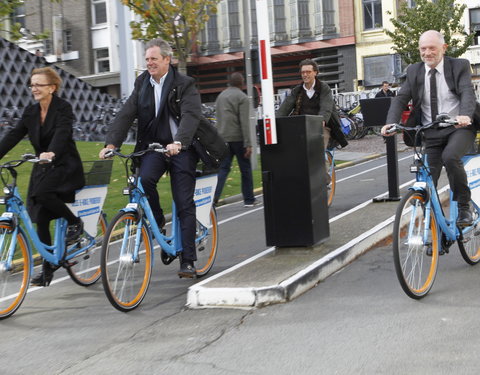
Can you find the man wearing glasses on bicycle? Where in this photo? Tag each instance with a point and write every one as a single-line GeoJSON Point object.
{"type": "Point", "coordinates": [441, 84]}
{"type": "Point", "coordinates": [314, 97]}
{"type": "Point", "coordinates": [168, 108]}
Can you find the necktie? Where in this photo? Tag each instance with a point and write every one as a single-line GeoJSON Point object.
{"type": "Point", "coordinates": [433, 94]}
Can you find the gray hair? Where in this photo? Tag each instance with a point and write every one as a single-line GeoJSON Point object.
{"type": "Point", "coordinates": [165, 49]}
{"type": "Point", "coordinates": [438, 34]}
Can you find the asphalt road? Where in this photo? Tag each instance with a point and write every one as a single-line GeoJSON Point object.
{"type": "Point", "coordinates": [356, 322]}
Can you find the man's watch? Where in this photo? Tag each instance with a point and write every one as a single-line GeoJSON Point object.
{"type": "Point", "coordinates": [178, 143]}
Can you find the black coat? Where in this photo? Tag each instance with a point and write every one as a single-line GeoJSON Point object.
{"type": "Point", "coordinates": [184, 105]}
{"type": "Point", "coordinates": [65, 174]}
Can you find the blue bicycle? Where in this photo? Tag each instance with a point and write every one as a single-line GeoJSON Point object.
{"type": "Point", "coordinates": [422, 231]}
{"type": "Point", "coordinates": [127, 252]}
{"type": "Point", "coordinates": [81, 259]}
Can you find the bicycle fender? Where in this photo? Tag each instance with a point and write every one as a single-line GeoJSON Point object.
{"type": "Point", "coordinates": [420, 187]}
{"type": "Point", "coordinates": [9, 218]}
{"type": "Point", "coordinates": [130, 208]}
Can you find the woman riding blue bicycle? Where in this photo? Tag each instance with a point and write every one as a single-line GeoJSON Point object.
{"type": "Point", "coordinates": [48, 124]}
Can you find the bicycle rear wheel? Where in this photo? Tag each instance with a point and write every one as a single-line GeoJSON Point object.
{"type": "Point", "coordinates": [415, 248]}
{"type": "Point", "coordinates": [85, 270]}
{"type": "Point", "coordinates": [126, 272]}
{"type": "Point", "coordinates": [14, 270]}
{"type": "Point", "coordinates": [469, 243]}
{"type": "Point", "coordinates": [207, 246]}
{"type": "Point", "coordinates": [331, 171]}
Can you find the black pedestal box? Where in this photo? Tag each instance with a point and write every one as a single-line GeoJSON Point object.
{"type": "Point", "coordinates": [294, 186]}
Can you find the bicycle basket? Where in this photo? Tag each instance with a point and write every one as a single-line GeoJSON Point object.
{"type": "Point", "coordinates": [97, 172]}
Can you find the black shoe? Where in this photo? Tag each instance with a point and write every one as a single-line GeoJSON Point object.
{"type": "Point", "coordinates": [74, 231]}
{"type": "Point", "coordinates": [45, 277]}
{"type": "Point", "coordinates": [465, 218]}
{"type": "Point", "coordinates": [187, 270]}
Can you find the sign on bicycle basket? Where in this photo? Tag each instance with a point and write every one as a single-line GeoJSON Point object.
{"type": "Point", "coordinates": [203, 197]}
{"type": "Point", "coordinates": [472, 168]}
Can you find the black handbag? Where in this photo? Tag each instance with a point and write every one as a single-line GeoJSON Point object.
{"type": "Point", "coordinates": [209, 144]}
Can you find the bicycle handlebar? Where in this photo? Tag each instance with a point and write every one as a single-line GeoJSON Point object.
{"type": "Point", "coordinates": [442, 121]}
{"type": "Point", "coordinates": [153, 147]}
{"type": "Point", "coordinates": [31, 158]}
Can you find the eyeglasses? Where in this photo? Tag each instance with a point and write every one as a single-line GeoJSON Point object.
{"type": "Point", "coordinates": [37, 85]}
{"type": "Point", "coordinates": [307, 72]}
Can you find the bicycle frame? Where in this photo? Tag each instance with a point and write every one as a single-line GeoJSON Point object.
{"type": "Point", "coordinates": [424, 183]}
{"type": "Point", "coordinates": [172, 244]}
{"type": "Point", "coordinates": [16, 213]}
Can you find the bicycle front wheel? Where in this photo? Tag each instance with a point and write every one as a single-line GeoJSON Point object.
{"type": "Point", "coordinates": [469, 243]}
{"type": "Point", "coordinates": [85, 268]}
{"type": "Point", "coordinates": [331, 172]}
{"type": "Point", "coordinates": [15, 263]}
{"type": "Point", "coordinates": [126, 261]}
{"type": "Point", "coordinates": [207, 245]}
{"type": "Point", "coordinates": [415, 246]}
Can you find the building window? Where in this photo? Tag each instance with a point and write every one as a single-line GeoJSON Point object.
{"type": "Point", "coordinates": [99, 12]}
{"type": "Point", "coordinates": [19, 15]}
{"type": "Point", "coordinates": [475, 24]}
{"type": "Point", "coordinates": [102, 61]}
{"type": "Point", "coordinates": [303, 15]}
{"type": "Point", "coordinates": [234, 23]}
{"type": "Point", "coordinates": [48, 45]}
{"type": "Point", "coordinates": [372, 14]}
{"type": "Point", "coordinates": [324, 11]}
{"type": "Point", "coordinates": [67, 41]}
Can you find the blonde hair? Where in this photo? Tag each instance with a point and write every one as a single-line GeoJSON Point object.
{"type": "Point", "coordinates": [52, 76]}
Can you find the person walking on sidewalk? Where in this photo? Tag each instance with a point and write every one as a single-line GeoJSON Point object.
{"type": "Point", "coordinates": [168, 108]}
{"type": "Point", "coordinates": [233, 122]}
{"type": "Point", "coordinates": [441, 84]}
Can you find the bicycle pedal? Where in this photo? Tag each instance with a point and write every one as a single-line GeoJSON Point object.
{"type": "Point", "coordinates": [166, 258]}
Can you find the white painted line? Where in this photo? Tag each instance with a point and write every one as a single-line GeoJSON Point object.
{"type": "Point", "coordinates": [368, 170]}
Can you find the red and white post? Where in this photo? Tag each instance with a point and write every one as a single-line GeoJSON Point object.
{"type": "Point", "coordinates": [269, 126]}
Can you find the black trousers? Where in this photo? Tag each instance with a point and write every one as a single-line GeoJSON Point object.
{"type": "Point", "coordinates": [447, 146]}
{"type": "Point", "coordinates": [182, 180]}
{"type": "Point", "coordinates": [51, 207]}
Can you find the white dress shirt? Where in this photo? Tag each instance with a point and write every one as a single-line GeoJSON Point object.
{"type": "Point", "coordinates": [448, 102]}
{"type": "Point", "coordinates": [158, 90]}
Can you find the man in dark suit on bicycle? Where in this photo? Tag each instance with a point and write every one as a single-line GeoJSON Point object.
{"type": "Point", "coordinates": [441, 84]}
{"type": "Point", "coordinates": [168, 108]}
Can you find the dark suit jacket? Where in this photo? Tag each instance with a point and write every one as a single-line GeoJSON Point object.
{"type": "Point", "coordinates": [65, 174]}
{"type": "Point", "coordinates": [184, 105]}
{"type": "Point", "coordinates": [459, 80]}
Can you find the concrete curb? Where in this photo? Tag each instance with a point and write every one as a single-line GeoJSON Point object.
{"type": "Point", "coordinates": [201, 297]}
